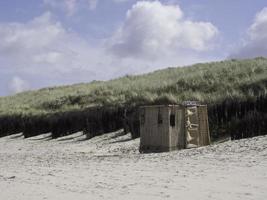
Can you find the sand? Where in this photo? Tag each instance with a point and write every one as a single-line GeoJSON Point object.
{"type": "Point", "coordinates": [110, 167]}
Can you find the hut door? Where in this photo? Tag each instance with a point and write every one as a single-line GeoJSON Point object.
{"type": "Point", "coordinates": [191, 127]}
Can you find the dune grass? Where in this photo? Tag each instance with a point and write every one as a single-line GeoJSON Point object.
{"type": "Point", "coordinates": [210, 82]}
{"type": "Point", "coordinates": [228, 87]}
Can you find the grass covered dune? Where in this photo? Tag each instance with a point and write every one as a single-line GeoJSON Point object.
{"type": "Point", "coordinates": [235, 91]}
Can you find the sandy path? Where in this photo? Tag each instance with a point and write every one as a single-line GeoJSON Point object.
{"type": "Point", "coordinates": [110, 167]}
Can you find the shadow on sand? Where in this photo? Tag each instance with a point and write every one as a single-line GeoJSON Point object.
{"type": "Point", "coordinates": [45, 138]}
{"type": "Point", "coordinates": [17, 136]}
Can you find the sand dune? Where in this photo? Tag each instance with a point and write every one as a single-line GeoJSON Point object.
{"type": "Point", "coordinates": [110, 167]}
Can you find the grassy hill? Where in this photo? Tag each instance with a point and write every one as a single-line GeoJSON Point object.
{"type": "Point", "coordinates": [215, 83]}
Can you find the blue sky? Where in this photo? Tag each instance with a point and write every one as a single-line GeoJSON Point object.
{"type": "Point", "coordinates": [55, 42]}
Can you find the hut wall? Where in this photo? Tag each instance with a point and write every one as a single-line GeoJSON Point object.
{"type": "Point", "coordinates": [177, 136]}
{"type": "Point", "coordinates": [204, 135]}
{"type": "Point", "coordinates": [154, 128]}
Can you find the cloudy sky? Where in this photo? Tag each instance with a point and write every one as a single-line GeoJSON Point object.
{"type": "Point", "coordinates": [55, 42]}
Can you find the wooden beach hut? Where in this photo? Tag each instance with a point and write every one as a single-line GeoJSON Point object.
{"type": "Point", "coordinates": [170, 127]}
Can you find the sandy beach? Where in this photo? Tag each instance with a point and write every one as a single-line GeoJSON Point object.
{"type": "Point", "coordinates": [110, 167]}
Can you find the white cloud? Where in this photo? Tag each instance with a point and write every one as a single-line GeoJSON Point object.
{"type": "Point", "coordinates": [152, 29]}
{"type": "Point", "coordinates": [255, 43]}
{"type": "Point", "coordinates": [29, 43]}
{"type": "Point", "coordinates": [45, 53]}
{"type": "Point", "coordinates": [72, 6]}
{"type": "Point", "coordinates": [258, 30]}
{"type": "Point", "coordinates": [37, 34]}
{"type": "Point", "coordinates": [17, 85]}
{"type": "Point", "coordinates": [120, 1]}
{"type": "Point", "coordinates": [43, 48]}
{"type": "Point", "coordinates": [92, 4]}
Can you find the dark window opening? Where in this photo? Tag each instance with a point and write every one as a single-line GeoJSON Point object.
{"type": "Point", "coordinates": [160, 120]}
{"type": "Point", "coordinates": [172, 120]}
{"type": "Point", "coordinates": [142, 119]}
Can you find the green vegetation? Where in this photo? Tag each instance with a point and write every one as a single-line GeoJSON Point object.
{"type": "Point", "coordinates": [213, 83]}
{"type": "Point", "coordinates": [210, 83]}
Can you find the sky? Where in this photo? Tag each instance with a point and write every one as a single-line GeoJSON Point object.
{"type": "Point", "coordinates": [45, 43]}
